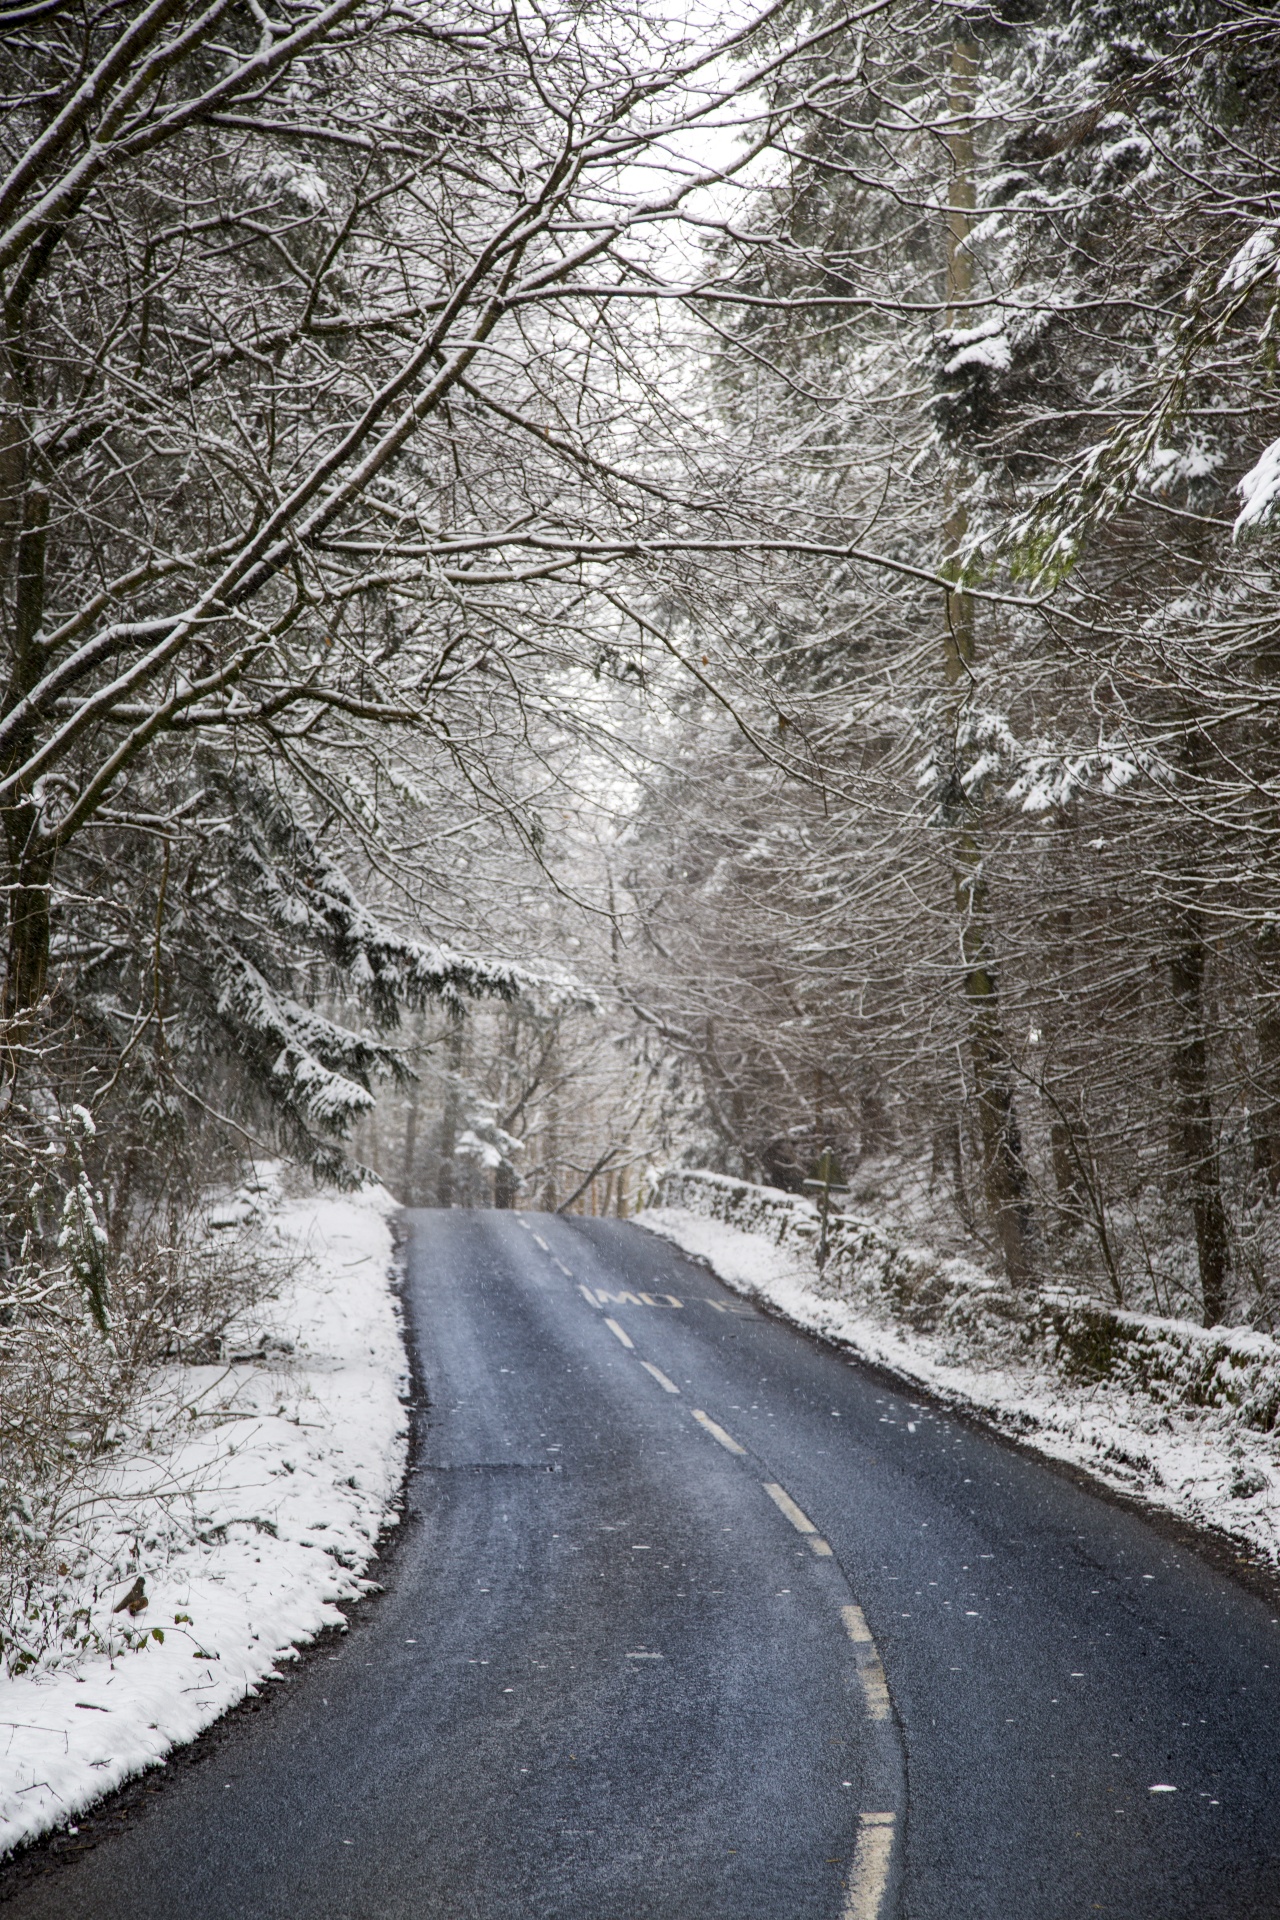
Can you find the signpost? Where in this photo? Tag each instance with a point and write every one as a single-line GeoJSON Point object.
{"type": "Point", "coordinates": [827, 1182]}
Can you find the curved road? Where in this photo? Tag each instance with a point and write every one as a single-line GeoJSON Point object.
{"type": "Point", "coordinates": [695, 1620]}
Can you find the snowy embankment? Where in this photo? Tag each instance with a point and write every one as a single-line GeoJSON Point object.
{"type": "Point", "coordinates": [249, 1511]}
{"type": "Point", "coordinates": [1180, 1417]}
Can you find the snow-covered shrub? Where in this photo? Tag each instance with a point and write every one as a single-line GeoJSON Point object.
{"type": "Point", "coordinates": [85, 1319]}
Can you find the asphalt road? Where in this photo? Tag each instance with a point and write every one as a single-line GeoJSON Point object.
{"type": "Point", "coordinates": [617, 1675]}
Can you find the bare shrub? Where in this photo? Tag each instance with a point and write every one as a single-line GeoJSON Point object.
{"type": "Point", "coordinates": [83, 1339]}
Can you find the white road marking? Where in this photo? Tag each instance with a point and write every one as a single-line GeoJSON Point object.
{"type": "Point", "coordinates": [785, 1504]}
{"type": "Point", "coordinates": [717, 1433]}
{"type": "Point", "coordinates": [587, 1294]}
{"type": "Point", "coordinates": [668, 1386]}
{"type": "Point", "coordinates": [869, 1874]}
{"type": "Point", "coordinates": [538, 1241]}
{"type": "Point", "coordinates": [564, 1270]}
{"type": "Point", "coordinates": [621, 1333]}
{"type": "Point", "coordinates": [819, 1546]}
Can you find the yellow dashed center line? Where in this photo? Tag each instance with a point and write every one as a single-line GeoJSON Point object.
{"type": "Point", "coordinates": [717, 1433]}
{"type": "Point", "coordinates": [785, 1504]}
{"type": "Point", "coordinates": [876, 1690]}
{"type": "Point", "coordinates": [869, 1875]}
{"type": "Point", "coordinates": [799, 1520]}
{"type": "Point", "coordinates": [873, 1854]}
{"type": "Point", "coordinates": [855, 1625]}
{"type": "Point", "coordinates": [875, 1687]}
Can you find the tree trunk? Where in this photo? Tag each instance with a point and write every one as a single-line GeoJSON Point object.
{"type": "Point", "coordinates": [959, 290]}
{"type": "Point", "coordinates": [1196, 1134]}
{"type": "Point", "coordinates": [1066, 1172]}
{"type": "Point", "coordinates": [446, 1171]}
{"type": "Point", "coordinates": [549, 1143]}
{"type": "Point", "coordinates": [1003, 1172]}
{"type": "Point", "coordinates": [875, 1133]}
{"type": "Point", "coordinates": [948, 1158]}
{"type": "Point", "coordinates": [30, 864]}
{"type": "Point", "coordinates": [408, 1170]}
{"type": "Point", "coordinates": [27, 954]}
{"type": "Point", "coordinates": [1264, 1109]}
{"type": "Point", "coordinates": [1004, 1177]}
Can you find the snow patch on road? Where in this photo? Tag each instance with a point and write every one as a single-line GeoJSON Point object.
{"type": "Point", "coordinates": [249, 1523]}
{"type": "Point", "coordinates": [1199, 1464]}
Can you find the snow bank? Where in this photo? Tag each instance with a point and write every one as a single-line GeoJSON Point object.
{"type": "Point", "coordinates": [1184, 1417]}
{"type": "Point", "coordinates": [249, 1523]}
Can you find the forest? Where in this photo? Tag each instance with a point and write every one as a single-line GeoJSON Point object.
{"type": "Point", "coordinates": [585, 591]}
{"type": "Point", "coordinates": [950, 850]}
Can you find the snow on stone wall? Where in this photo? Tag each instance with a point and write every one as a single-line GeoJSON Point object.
{"type": "Point", "coordinates": [1172, 1362]}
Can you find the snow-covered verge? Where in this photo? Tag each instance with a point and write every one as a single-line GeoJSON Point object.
{"type": "Point", "coordinates": [249, 1511]}
{"type": "Point", "coordinates": [1180, 1416]}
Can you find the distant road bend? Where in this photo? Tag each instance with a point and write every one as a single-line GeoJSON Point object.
{"type": "Point", "coordinates": [696, 1620]}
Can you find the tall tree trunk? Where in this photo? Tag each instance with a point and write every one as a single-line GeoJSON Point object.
{"type": "Point", "coordinates": [27, 935]}
{"type": "Point", "coordinates": [1264, 1106]}
{"type": "Point", "coordinates": [959, 290]}
{"type": "Point", "coordinates": [29, 861]}
{"type": "Point", "coordinates": [1196, 1133]}
{"type": "Point", "coordinates": [408, 1169]}
{"type": "Point", "coordinates": [446, 1172]}
{"type": "Point", "coordinates": [1003, 1170]}
{"type": "Point", "coordinates": [1004, 1175]}
{"type": "Point", "coordinates": [550, 1142]}
{"type": "Point", "coordinates": [948, 1157]}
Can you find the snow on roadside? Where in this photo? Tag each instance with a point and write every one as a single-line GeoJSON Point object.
{"type": "Point", "coordinates": [249, 1527]}
{"type": "Point", "coordinates": [1200, 1465]}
